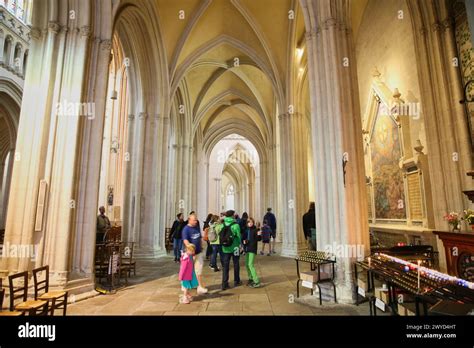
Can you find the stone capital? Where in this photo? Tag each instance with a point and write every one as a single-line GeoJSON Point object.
{"type": "Point", "coordinates": [35, 33]}
{"type": "Point", "coordinates": [329, 23]}
{"type": "Point", "coordinates": [283, 116]}
{"type": "Point", "coordinates": [436, 26]}
{"type": "Point", "coordinates": [54, 27]}
{"type": "Point", "coordinates": [310, 35]}
{"type": "Point", "coordinates": [448, 23]}
{"type": "Point", "coordinates": [105, 45]}
{"type": "Point", "coordinates": [85, 31]}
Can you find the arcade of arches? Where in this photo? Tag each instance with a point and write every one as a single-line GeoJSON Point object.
{"type": "Point", "coordinates": [155, 107]}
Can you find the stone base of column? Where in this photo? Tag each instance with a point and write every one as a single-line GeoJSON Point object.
{"type": "Point", "coordinates": [80, 289]}
{"type": "Point", "coordinates": [345, 292]}
{"type": "Point", "coordinates": [293, 250]}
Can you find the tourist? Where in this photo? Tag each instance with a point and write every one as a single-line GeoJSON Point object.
{"type": "Point", "coordinates": [266, 236]}
{"type": "Point", "coordinates": [102, 226]}
{"type": "Point", "coordinates": [270, 217]}
{"type": "Point", "coordinates": [213, 236]}
{"type": "Point", "coordinates": [243, 221]}
{"type": "Point", "coordinates": [175, 236]}
{"type": "Point", "coordinates": [229, 236]}
{"type": "Point", "coordinates": [198, 223]}
{"type": "Point", "coordinates": [309, 223]}
{"type": "Point", "coordinates": [251, 237]}
{"type": "Point", "coordinates": [206, 228]}
{"type": "Point", "coordinates": [187, 275]}
{"type": "Point", "coordinates": [192, 235]}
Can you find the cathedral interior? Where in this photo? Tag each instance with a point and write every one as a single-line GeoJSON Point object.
{"type": "Point", "coordinates": [151, 108]}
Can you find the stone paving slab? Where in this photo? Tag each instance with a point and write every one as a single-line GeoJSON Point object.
{"type": "Point", "coordinates": [156, 291]}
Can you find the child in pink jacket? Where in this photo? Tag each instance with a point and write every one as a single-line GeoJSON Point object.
{"type": "Point", "coordinates": [187, 274]}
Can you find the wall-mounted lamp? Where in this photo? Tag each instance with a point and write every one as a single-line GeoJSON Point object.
{"type": "Point", "coordinates": [418, 147]}
{"type": "Point", "coordinates": [467, 98]}
{"type": "Point", "coordinates": [114, 95]}
{"type": "Point", "coordinates": [299, 52]}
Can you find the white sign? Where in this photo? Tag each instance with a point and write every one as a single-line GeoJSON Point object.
{"type": "Point", "coordinates": [113, 264]}
{"type": "Point", "coordinates": [380, 304]}
{"type": "Point", "coordinates": [307, 284]}
{"type": "Point", "coordinates": [361, 291]}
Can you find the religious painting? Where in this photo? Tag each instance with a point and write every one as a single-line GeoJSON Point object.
{"type": "Point", "coordinates": [387, 178]}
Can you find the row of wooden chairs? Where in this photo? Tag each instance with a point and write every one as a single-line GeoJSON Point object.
{"type": "Point", "coordinates": [44, 301]}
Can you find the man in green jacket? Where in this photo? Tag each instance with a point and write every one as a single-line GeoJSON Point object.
{"type": "Point", "coordinates": [232, 251]}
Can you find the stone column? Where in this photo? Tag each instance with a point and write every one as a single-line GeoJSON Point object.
{"type": "Point", "coordinates": [449, 153]}
{"type": "Point", "coordinates": [341, 202]}
{"type": "Point", "coordinates": [2, 194]}
{"type": "Point", "coordinates": [127, 194]}
{"type": "Point", "coordinates": [295, 195]}
{"type": "Point", "coordinates": [162, 182]}
{"type": "Point", "coordinates": [5, 178]}
{"type": "Point", "coordinates": [138, 167]}
{"type": "Point", "coordinates": [90, 159]}
{"type": "Point", "coordinates": [218, 195]}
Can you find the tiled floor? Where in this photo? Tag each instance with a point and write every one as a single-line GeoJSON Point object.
{"type": "Point", "coordinates": [156, 289]}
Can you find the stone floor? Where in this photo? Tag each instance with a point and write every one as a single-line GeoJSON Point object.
{"type": "Point", "coordinates": [155, 290]}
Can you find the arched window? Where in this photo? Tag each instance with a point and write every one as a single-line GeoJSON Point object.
{"type": "Point", "coordinates": [7, 50]}
{"type": "Point", "coordinates": [230, 197]}
{"type": "Point", "coordinates": [17, 57]}
{"type": "Point", "coordinates": [16, 7]}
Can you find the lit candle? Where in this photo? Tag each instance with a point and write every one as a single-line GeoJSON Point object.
{"type": "Point", "coordinates": [419, 263]}
{"type": "Point", "coordinates": [369, 261]}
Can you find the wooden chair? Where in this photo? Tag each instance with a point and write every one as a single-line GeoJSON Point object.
{"type": "Point", "coordinates": [32, 307]}
{"type": "Point", "coordinates": [128, 262]}
{"type": "Point", "coordinates": [114, 234]}
{"type": "Point", "coordinates": [101, 261]}
{"type": "Point", "coordinates": [7, 313]}
{"type": "Point", "coordinates": [56, 299]}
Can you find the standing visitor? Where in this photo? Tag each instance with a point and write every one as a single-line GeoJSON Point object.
{"type": "Point", "coordinates": [229, 237]}
{"type": "Point", "coordinates": [251, 237]}
{"type": "Point", "coordinates": [192, 235]}
{"type": "Point", "coordinates": [216, 247]}
{"type": "Point", "coordinates": [271, 219]}
{"type": "Point", "coordinates": [206, 229]}
{"type": "Point", "coordinates": [309, 223]}
{"type": "Point", "coordinates": [175, 236]}
{"type": "Point", "coordinates": [266, 235]}
{"type": "Point", "coordinates": [102, 226]}
{"type": "Point", "coordinates": [187, 275]}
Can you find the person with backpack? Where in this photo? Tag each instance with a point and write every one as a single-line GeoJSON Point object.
{"type": "Point", "coordinates": [229, 237]}
{"type": "Point", "coordinates": [250, 239]}
{"type": "Point", "coordinates": [216, 246]}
